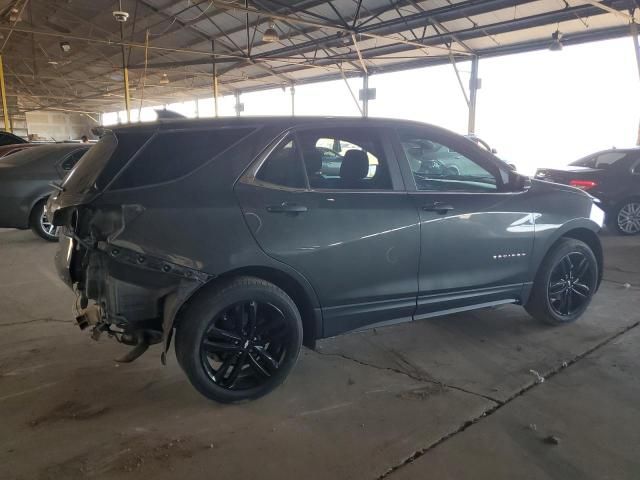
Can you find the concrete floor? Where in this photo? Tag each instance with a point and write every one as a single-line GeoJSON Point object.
{"type": "Point", "coordinates": [449, 398]}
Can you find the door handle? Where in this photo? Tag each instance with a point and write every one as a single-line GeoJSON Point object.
{"type": "Point", "coordinates": [285, 207]}
{"type": "Point", "coordinates": [438, 207]}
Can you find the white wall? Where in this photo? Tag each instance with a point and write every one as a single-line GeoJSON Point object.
{"type": "Point", "coordinates": [59, 126]}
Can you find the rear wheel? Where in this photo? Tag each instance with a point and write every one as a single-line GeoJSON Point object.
{"type": "Point", "coordinates": [240, 342]}
{"type": "Point", "coordinates": [627, 217]}
{"type": "Point", "coordinates": [565, 283]}
{"type": "Point", "coordinates": [40, 224]}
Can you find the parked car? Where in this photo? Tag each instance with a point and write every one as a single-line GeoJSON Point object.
{"type": "Point", "coordinates": [613, 177]}
{"type": "Point", "coordinates": [228, 233]}
{"type": "Point", "coordinates": [25, 185]}
{"type": "Point", "coordinates": [8, 138]}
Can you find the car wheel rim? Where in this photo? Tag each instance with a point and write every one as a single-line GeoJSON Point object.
{"type": "Point", "coordinates": [571, 284]}
{"type": "Point", "coordinates": [629, 218]}
{"type": "Point", "coordinates": [245, 345]}
{"type": "Point", "coordinates": [47, 227]}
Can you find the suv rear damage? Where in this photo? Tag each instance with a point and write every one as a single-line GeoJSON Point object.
{"type": "Point", "coordinates": [126, 289]}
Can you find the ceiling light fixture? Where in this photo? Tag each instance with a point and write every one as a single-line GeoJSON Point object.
{"type": "Point", "coordinates": [271, 34]}
{"type": "Point", "coordinates": [14, 15]}
{"type": "Point", "coordinates": [556, 41]}
{"type": "Point", "coordinates": [164, 80]}
{"type": "Point", "coordinates": [65, 47]}
{"type": "Point", "coordinates": [120, 16]}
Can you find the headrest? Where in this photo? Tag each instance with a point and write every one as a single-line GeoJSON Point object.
{"type": "Point", "coordinates": [355, 165]}
{"type": "Point", "coordinates": [313, 161]}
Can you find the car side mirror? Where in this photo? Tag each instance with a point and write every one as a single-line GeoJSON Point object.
{"type": "Point", "coordinates": [518, 182]}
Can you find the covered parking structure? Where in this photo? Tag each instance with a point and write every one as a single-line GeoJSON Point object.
{"type": "Point", "coordinates": [86, 57]}
{"type": "Point", "coordinates": [488, 394]}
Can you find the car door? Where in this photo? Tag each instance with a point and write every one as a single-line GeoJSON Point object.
{"type": "Point", "coordinates": [354, 235]}
{"type": "Point", "coordinates": [476, 236]}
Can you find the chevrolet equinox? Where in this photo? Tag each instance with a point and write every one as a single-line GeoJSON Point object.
{"type": "Point", "coordinates": [236, 236]}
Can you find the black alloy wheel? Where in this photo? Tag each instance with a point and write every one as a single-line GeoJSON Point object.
{"type": "Point", "coordinates": [239, 339]}
{"type": "Point", "coordinates": [244, 346]}
{"type": "Point", "coordinates": [565, 283]}
{"type": "Point", "coordinates": [571, 284]}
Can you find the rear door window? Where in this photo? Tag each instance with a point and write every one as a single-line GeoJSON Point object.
{"type": "Point", "coordinates": [344, 159]}
{"type": "Point", "coordinates": [172, 155]}
{"type": "Point", "coordinates": [283, 168]}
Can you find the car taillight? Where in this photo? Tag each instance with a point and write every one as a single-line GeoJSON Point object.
{"type": "Point", "coordinates": [583, 184]}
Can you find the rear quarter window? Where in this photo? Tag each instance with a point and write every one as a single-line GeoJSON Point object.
{"type": "Point", "coordinates": [171, 155]}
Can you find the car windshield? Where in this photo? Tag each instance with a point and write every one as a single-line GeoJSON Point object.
{"type": "Point", "coordinates": [599, 160]}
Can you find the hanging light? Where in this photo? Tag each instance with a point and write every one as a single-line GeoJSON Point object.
{"type": "Point", "coordinates": [271, 34]}
{"type": "Point", "coordinates": [556, 41]}
{"type": "Point", "coordinates": [14, 15]}
{"type": "Point", "coordinates": [164, 80]}
{"type": "Point", "coordinates": [65, 47]}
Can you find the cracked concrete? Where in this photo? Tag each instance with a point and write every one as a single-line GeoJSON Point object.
{"type": "Point", "coordinates": [451, 397]}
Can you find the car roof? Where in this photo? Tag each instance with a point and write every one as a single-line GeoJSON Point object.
{"type": "Point", "coordinates": [57, 147]}
{"type": "Point", "coordinates": [15, 147]}
{"type": "Point", "coordinates": [612, 150]}
{"type": "Point", "coordinates": [47, 150]}
{"type": "Point", "coordinates": [274, 121]}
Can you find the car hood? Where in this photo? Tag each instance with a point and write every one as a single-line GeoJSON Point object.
{"type": "Point", "coordinates": [544, 185]}
{"type": "Point", "coordinates": [571, 169]}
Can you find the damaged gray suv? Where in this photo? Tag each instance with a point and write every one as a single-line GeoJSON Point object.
{"type": "Point", "coordinates": [231, 234]}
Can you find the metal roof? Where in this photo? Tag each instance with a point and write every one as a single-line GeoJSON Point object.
{"type": "Point", "coordinates": [318, 40]}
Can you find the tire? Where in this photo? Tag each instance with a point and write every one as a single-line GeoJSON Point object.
{"type": "Point", "coordinates": [228, 357]}
{"type": "Point", "coordinates": [564, 285]}
{"type": "Point", "coordinates": [39, 224]}
{"type": "Point", "coordinates": [626, 217]}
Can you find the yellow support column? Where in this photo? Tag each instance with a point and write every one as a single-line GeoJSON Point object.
{"type": "Point", "coordinates": [5, 110]}
{"type": "Point", "coordinates": [127, 98]}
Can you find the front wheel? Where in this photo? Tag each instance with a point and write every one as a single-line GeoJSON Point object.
{"type": "Point", "coordinates": [239, 342]}
{"type": "Point", "coordinates": [565, 283]}
{"type": "Point", "coordinates": [40, 224]}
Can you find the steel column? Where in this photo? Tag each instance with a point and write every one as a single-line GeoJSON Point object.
{"type": "Point", "coordinates": [5, 110]}
{"type": "Point", "coordinates": [215, 78]}
{"type": "Point", "coordinates": [125, 75]}
{"type": "Point", "coordinates": [238, 104]}
{"type": "Point", "coordinates": [293, 100]}
{"type": "Point", "coordinates": [636, 47]}
{"type": "Point", "coordinates": [473, 94]}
